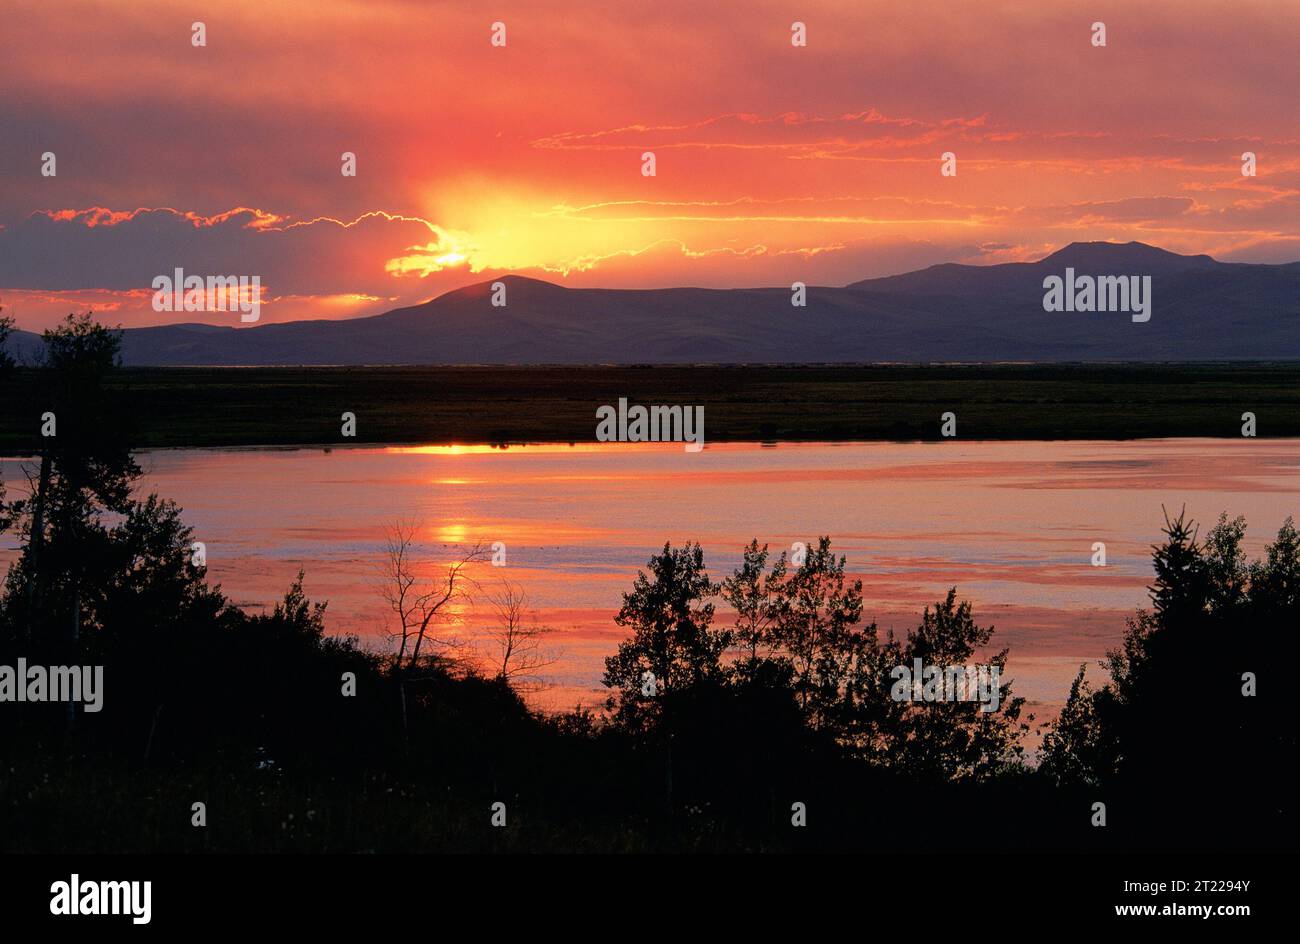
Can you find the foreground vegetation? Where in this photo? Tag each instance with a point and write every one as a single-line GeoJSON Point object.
{"type": "Point", "coordinates": [717, 729]}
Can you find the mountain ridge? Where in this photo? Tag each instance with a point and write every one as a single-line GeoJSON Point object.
{"type": "Point", "coordinates": [1202, 309]}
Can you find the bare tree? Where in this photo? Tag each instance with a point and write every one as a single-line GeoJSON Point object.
{"type": "Point", "coordinates": [421, 602]}
{"type": "Point", "coordinates": [518, 652]}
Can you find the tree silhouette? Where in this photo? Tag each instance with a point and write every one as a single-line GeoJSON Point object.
{"type": "Point", "coordinates": [1196, 708]}
{"type": "Point", "coordinates": [946, 739]}
{"type": "Point", "coordinates": [759, 601]}
{"type": "Point", "coordinates": [421, 602]}
{"type": "Point", "coordinates": [815, 629]}
{"type": "Point", "coordinates": [6, 359]}
{"type": "Point", "coordinates": [518, 638]}
{"type": "Point", "coordinates": [673, 645]}
{"type": "Point", "coordinates": [801, 640]}
{"type": "Point", "coordinates": [86, 471]}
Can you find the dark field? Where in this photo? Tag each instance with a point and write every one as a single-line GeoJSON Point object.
{"type": "Point", "coordinates": [287, 406]}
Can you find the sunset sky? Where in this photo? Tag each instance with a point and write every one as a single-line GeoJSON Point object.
{"type": "Point", "coordinates": [774, 163]}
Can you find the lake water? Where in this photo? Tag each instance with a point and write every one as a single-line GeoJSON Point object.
{"type": "Point", "coordinates": [1010, 524]}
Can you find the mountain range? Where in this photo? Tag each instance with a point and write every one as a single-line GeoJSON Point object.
{"type": "Point", "coordinates": [1201, 309]}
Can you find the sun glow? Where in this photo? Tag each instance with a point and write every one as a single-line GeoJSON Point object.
{"type": "Point", "coordinates": [502, 226]}
{"type": "Point", "coordinates": [453, 533]}
{"type": "Point", "coordinates": [427, 259]}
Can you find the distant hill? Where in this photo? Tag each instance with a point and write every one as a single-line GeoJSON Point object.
{"type": "Point", "coordinates": [1202, 310]}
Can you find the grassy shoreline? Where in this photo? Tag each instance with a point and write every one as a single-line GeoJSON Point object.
{"type": "Point", "coordinates": [302, 406]}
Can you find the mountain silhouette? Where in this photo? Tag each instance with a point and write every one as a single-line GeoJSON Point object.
{"type": "Point", "coordinates": [1202, 309]}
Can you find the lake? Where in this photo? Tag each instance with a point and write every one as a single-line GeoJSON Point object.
{"type": "Point", "coordinates": [1010, 524]}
